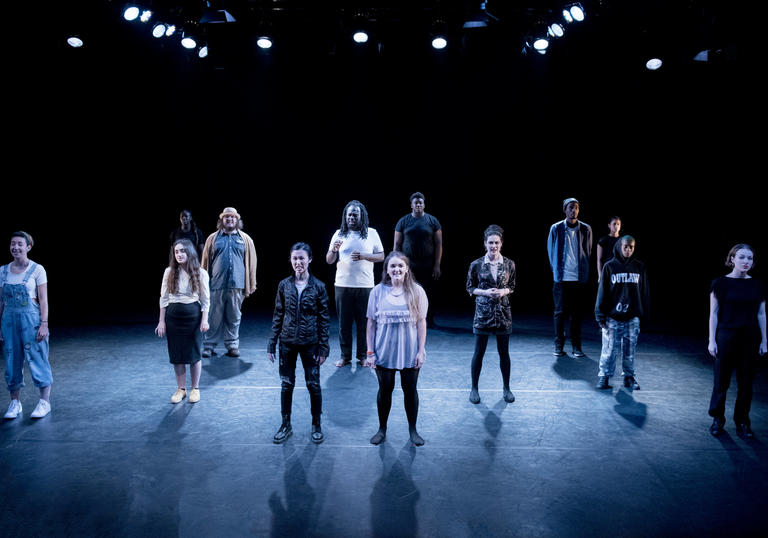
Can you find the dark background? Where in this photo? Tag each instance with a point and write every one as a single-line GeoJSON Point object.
{"type": "Point", "coordinates": [108, 143]}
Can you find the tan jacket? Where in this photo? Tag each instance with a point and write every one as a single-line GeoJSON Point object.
{"type": "Point", "coordinates": [250, 259]}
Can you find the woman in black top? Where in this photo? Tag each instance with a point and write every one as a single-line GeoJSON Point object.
{"type": "Point", "coordinates": [736, 336]}
{"type": "Point", "coordinates": [490, 280]}
{"type": "Point", "coordinates": [606, 244]}
{"type": "Point", "coordinates": [301, 322]}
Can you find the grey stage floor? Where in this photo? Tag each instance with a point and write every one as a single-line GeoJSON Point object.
{"type": "Point", "coordinates": [115, 458]}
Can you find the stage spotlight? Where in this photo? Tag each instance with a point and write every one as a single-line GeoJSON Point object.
{"type": "Point", "coordinates": [537, 44]}
{"type": "Point", "coordinates": [203, 52]}
{"type": "Point", "coordinates": [540, 45]}
{"type": "Point", "coordinates": [188, 42]}
{"type": "Point", "coordinates": [159, 30]}
{"type": "Point", "coordinates": [145, 15]}
{"type": "Point", "coordinates": [574, 13]}
{"type": "Point", "coordinates": [264, 42]}
{"type": "Point", "coordinates": [360, 37]}
{"type": "Point", "coordinates": [131, 13]}
{"type": "Point", "coordinates": [653, 64]}
{"type": "Point", "coordinates": [439, 42]}
{"type": "Point", "coordinates": [170, 30]}
{"type": "Point", "coordinates": [75, 42]}
{"type": "Point", "coordinates": [555, 30]}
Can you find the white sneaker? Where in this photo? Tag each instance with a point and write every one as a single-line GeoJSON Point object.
{"type": "Point", "coordinates": [42, 409]}
{"type": "Point", "coordinates": [14, 409]}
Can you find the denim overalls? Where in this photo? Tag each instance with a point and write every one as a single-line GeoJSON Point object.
{"type": "Point", "coordinates": [20, 323]}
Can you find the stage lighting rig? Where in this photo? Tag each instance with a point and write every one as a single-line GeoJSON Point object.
{"type": "Point", "coordinates": [574, 13]}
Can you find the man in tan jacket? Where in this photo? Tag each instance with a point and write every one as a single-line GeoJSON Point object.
{"type": "Point", "coordinates": [229, 256]}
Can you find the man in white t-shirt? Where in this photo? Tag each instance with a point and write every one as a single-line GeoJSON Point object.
{"type": "Point", "coordinates": [569, 246]}
{"type": "Point", "coordinates": [355, 247]}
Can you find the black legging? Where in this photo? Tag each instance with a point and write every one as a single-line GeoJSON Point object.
{"type": "Point", "coordinates": [408, 379]}
{"type": "Point", "coordinates": [502, 344]}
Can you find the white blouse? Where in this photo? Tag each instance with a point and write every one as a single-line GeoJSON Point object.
{"type": "Point", "coordinates": [184, 294]}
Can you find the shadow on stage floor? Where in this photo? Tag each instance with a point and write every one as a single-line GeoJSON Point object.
{"type": "Point", "coordinates": [115, 458]}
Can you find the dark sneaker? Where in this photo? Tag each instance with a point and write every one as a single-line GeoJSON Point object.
{"type": "Point", "coordinates": [717, 426]}
{"type": "Point", "coordinates": [602, 383]}
{"type": "Point", "coordinates": [631, 383]}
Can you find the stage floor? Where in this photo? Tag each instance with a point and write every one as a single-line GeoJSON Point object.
{"type": "Point", "coordinates": [116, 458]}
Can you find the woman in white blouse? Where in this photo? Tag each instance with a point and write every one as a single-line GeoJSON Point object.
{"type": "Point", "coordinates": [184, 304]}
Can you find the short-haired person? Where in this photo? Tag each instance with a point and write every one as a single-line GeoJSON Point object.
{"type": "Point", "coordinates": [569, 246]}
{"type": "Point", "coordinates": [622, 302]}
{"type": "Point", "coordinates": [737, 335]}
{"type": "Point", "coordinates": [300, 323]}
{"type": "Point", "coordinates": [491, 280]}
{"type": "Point", "coordinates": [354, 247]}
{"type": "Point", "coordinates": [24, 335]}
{"type": "Point", "coordinates": [229, 256]}
{"type": "Point", "coordinates": [396, 336]}
{"type": "Point", "coordinates": [184, 304]}
{"type": "Point", "coordinates": [419, 236]}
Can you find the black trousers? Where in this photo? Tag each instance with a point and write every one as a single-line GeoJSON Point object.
{"type": "Point", "coordinates": [351, 308]}
{"type": "Point", "coordinates": [423, 274]}
{"type": "Point", "coordinates": [288, 356]}
{"type": "Point", "coordinates": [408, 379]}
{"type": "Point", "coordinates": [570, 300]}
{"type": "Point", "coordinates": [737, 349]}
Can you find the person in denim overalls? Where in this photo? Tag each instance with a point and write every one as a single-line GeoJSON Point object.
{"type": "Point", "coordinates": [24, 314]}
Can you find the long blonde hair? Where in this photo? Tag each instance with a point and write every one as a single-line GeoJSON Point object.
{"type": "Point", "coordinates": [409, 283]}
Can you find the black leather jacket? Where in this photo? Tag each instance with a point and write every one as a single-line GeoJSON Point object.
{"type": "Point", "coordinates": [301, 324]}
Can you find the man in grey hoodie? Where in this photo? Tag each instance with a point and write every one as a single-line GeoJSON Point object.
{"type": "Point", "coordinates": [622, 300]}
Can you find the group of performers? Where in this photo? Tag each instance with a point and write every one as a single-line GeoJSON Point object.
{"type": "Point", "coordinates": [206, 281]}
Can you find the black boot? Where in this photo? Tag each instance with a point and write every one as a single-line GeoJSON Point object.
{"type": "Point", "coordinates": [317, 432]}
{"type": "Point", "coordinates": [602, 383]}
{"type": "Point", "coordinates": [284, 432]}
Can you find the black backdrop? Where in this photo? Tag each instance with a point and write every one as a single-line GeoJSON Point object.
{"type": "Point", "coordinates": [108, 144]}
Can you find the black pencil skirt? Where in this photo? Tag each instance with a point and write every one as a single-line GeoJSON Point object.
{"type": "Point", "coordinates": [182, 325]}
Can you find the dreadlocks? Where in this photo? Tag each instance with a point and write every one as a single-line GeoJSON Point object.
{"type": "Point", "coordinates": [344, 228]}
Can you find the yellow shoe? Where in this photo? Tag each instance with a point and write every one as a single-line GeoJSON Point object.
{"type": "Point", "coordinates": [179, 395]}
{"type": "Point", "coordinates": [194, 396]}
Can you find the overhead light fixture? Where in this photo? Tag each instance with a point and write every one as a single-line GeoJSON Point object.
{"type": "Point", "coordinates": [653, 64]}
{"type": "Point", "coordinates": [360, 37]}
{"type": "Point", "coordinates": [159, 30]}
{"type": "Point", "coordinates": [202, 52]}
{"type": "Point", "coordinates": [574, 13]}
{"type": "Point", "coordinates": [264, 42]}
{"type": "Point", "coordinates": [145, 15]}
{"type": "Point", "coordinates": [439, 42]}
{"type": "Point", "coordinates": [131, 13]}
{"type": "Point", "coordinates": [555, 30]}
{"type": "Point", "coordinates": [170, 30]}
{"type": "Point", "coordinates": [75, 42]}
{"type": "Point", "coordinates": [188, 41]}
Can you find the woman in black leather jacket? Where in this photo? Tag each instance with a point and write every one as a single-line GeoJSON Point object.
{"type": "Point", "coordinates": [490, 280]}
{"type": "Point", "coordinates": [301, 323]}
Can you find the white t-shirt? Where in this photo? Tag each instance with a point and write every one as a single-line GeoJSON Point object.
{"type": "Point", "coordinates": [571, 261]}
{"type": "Point", "coordinates": [356, 274]}
{"type": "Point", "coordinates": [38, 278]}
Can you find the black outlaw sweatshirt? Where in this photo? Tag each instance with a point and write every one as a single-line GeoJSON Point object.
{"type": "Point", "coordinates": [623, 290]}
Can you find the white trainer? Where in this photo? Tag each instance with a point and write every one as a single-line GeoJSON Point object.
{"type": "Point", "coordinates": [14, 409]}
{"type": "Point", "coordinates": [42, 409]}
